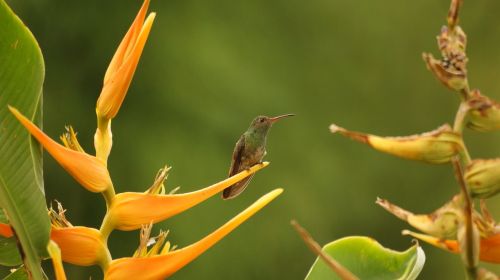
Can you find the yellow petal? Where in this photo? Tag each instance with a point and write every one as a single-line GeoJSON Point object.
{"type": "Point", "coordinates": [130, 210]}
{"type": "Point", "coordinates": [122, 67]}
{"type": "Point", "coordinates": [89, 171]}
{"type": "Point", "coordinates": [81, 245]}
{"type": "Point", "coordinates": [438, 146]}
{"type": "Point", "coordinates": [55, 254]}
{"type": "Point", "coordinates": [162, 266]}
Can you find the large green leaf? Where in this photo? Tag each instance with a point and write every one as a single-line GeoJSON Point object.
{"type": "Point", "coordinates": [367, 259]}
{"type": "Point", "coordinates": [21, 183]}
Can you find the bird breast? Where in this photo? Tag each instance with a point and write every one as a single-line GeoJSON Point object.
{"type": "Point", "coordinates": [254, 156]}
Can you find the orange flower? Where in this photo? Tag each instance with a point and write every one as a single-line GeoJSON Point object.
{"type": "Point", "coordinates": [167, 263]}
{"type": "Point", "coordinates": [88, 170]}
{"type": "Point", "coordinates": [489, 246]}
{"type": "Point", "coordinates": [122, 67]}
{"type": "Point", "coordinates": [80, 245]}
{"type": "Point", "coordinates": [131, 210]}
{"type": "Point", "coordinates": [6, 230]}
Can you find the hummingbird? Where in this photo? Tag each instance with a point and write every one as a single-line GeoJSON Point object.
{"type": "Point", "coordinates": [248, 151]}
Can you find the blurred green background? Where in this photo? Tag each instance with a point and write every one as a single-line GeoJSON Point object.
{"type": "Point", "coordinates": [210, 67]}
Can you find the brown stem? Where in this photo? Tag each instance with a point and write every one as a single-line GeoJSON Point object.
{"type": "Point", "coordinates": [469, 231]}
{"type": "Point", "coordinates": [453, 13]}
{"type": "Point", "coordinates": [341, 271]}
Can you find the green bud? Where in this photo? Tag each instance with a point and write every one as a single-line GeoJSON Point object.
{"type": "Point", "coordinates": [484, 113]}
{"type": "Point", "coordinates": [483, 177]}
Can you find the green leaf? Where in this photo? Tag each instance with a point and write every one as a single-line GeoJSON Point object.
{"type": "Point", "coordinates": [18, 274]}
{"type": "Point", "coordinates": [367, 259]}
{"type": "Point", "coordinates": [21, 183]}
{"type": "Point", "coordinates": [9, 255]}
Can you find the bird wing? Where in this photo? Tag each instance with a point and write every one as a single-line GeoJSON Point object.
{"type": "Point", "coordinates": [237, 154]}
{"type": "Point", "coordinates": [236, 189]}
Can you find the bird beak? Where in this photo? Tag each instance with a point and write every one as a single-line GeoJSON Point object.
{"type": "Point", "coordinates": [274, 119]}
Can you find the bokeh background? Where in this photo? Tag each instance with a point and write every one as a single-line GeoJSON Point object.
{"type": "Point", "coordinates": [210, 67]}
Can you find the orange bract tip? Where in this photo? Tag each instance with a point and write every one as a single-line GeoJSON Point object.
{"type": "Point", "coordinates": [88, 170]}
{"type": "Point", "coordinates": [162, 266]}
{"type": "Point", "coordinates": [130, 210]}
{"type": "Point", "coordinates": [122, 67]}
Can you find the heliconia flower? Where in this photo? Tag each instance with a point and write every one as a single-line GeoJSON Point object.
{"type": "Point", "coordinates": [122, 67]}
{"type": "Point", "coordinates": [79, 245]}
{"type": "Point", "coordinates": [55, 255]}
{"type": "Point", "coordinates": [489, 246]}
{"type": "Point", "coordinates": [167, 262]}
{"type": "Point", "coordinates": [88, 170]}
{"type": "Point", "coordinates": [6, 230]}
{"type": "Point", "coordinates": [442, 223]}
{"type": "Point", "coordinates": [131, 210]}
{"type": "Point", "coordinates": [437, 146]}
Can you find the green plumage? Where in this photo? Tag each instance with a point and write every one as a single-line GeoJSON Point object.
{"type": "Point", "coordinates": [248, 151]}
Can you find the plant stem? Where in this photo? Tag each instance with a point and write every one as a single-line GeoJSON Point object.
{"type": "Point", "coordinates": [453, 13]}
{"type": "Point", "coordinates": [460, 117]}
{"type": "Point", "coordinates": [108, 195]}
{"type": "Point", "coordinates": [458, 127]}
{"type": "Point", "coordinates": [341, 271]}
{"type": "Point", "coordinates": [471, 266]}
